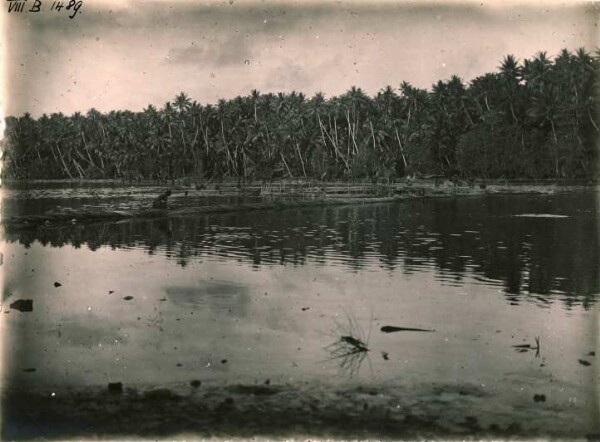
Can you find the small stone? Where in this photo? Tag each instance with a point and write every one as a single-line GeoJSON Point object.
{"type": "Point", "coordinates": [128, 298]}
{"type": "Point", "coordinates": [115, 387]}
{"type": "Point", "coordinates": [539, 397]}
{"type": "Point", "coordinates": [494, 427]}
{"type": "Point", "coordinates": [57, 284]}
{"type": "Point", "coordinates": [195, 383]}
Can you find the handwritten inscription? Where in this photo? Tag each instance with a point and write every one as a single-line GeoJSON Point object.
{"type": "Point", "coordinates": [70, 7]}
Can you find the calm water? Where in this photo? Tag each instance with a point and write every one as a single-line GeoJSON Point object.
{"type": "Point", "coordinates": [246, 297]}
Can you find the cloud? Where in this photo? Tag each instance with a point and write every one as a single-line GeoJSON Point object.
{"type": "Point", "coordinates": [287, 77]}
{"type": "Point", "coordinates": [162, 47]}
{"type": "Point", "coordinates": [231, 50]}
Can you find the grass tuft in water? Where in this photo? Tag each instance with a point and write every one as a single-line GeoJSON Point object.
{"type": "Point", "coordinates": [351, 346]}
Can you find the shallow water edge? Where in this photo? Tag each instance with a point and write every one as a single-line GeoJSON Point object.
{"type": "Point", "coordinates": [434, 411]}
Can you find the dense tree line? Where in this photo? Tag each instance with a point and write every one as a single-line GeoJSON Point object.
{"type": "Point", "coordinates": [535, 119]}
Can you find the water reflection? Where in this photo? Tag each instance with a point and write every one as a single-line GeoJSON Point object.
{"type": "Point", "coordinates": [253, 298]}
{"type": "Point", "coordinates": [530, 257]}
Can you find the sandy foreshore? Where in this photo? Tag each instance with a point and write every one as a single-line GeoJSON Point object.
{"type": "Point", "coordinates": [309, 410]}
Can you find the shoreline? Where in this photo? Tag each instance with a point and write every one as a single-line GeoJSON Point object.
{"type": "Point", "coordinates": [189, 180]}
{"type": "Point", "coordinates": [280, 196]}
{"type": "Point", "coordinates": [438, 411]}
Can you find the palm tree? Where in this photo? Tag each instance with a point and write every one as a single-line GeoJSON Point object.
{"type": "Point", "coordinates": [182, 102]}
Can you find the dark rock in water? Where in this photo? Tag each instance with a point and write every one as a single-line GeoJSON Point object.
{"type": "Point", "coordinates": [224, 361]}
{"type": "Point", "coordinates": [592, 353]}
{"type": "Point", "coordinates": [57, 284]}
{"type": "Point", "coordinates": [115, 387]}
{"type": "Point", "coordinates": [161, 201]}
{"type": "Point", "coordinates": [471, 422]}
{"type": "Point", "coordinates": [539, 397]}
{"type": "Point", "coordinates": [268, 382]}
{"type": "Point", "coordinates": [225, 406]}
{"type": "Point", "coordinates": [494, 428]}
{"type": "Point", "coordinates": [195, 383]}
{"type": "Point", "coordinates": [584, 362]}
{"type": "Point", "coordinates": [23, 305]}
{"type": "Point", "coordinates": [385, 355]}
{"type": "Point", "coordinates": [392, 329]}
{"type": "Point", "coordinates": [110, 292]}
{"type": "Point", "coordinates": [305, 309]}
{"type": "Point", "coordinates": [128, 298]}
{"type": "Point", "coordinates": [29, 370]}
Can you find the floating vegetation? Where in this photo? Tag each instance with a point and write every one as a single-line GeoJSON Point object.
{"type": "Point", "coordinates": [22, 305]}
{"type": "Point", "coordinates": [523, 348]}
{"type": "Point", "coordinates": [351, 347]}
{"type": "Point", "coordinates": [393, 329]}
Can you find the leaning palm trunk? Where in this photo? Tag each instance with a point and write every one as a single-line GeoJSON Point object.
{"type": "Point", "coordinates": [555, 148]}
{"type": "Point", "coordinates": [286, 165]}
{"type": "Point", "coordinates": [333, 143]}
{"type": "Point", "coordinates": [301, 160]}
{"type": "Point", "coordinates": [63, 161]}
{"type": "Point", "coordinates": [401, 151]}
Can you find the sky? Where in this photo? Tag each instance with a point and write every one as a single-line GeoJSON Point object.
{"type": "Point", "coordinates": [116, 55]}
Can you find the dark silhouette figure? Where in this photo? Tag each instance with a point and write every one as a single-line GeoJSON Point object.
{"type": "Point", "coordinates": [161, 201]}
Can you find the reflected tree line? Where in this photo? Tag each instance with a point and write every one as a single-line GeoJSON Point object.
{"type": "Point", "coordinates": [536, 118]}
{"type": "Point", "coordinates": [532, 257]}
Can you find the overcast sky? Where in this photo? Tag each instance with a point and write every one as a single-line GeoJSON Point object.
{"type": "Point", "coordinates": [128, 54]}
